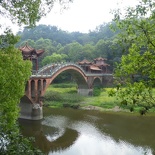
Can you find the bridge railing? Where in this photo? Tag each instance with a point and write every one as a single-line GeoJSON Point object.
{"type": "Point", "coordinates": [54, 67]}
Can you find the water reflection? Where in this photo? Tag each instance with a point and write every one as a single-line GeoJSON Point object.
{"type": "Point", "coordinates": [47, 138]}
{"type": "Point", "coordinates": [92, 146]}
{"type": "Point", "coordinates": [75, 132]}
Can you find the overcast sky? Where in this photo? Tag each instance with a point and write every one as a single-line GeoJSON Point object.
{"type": "Point", "coordinates": [82, 15]}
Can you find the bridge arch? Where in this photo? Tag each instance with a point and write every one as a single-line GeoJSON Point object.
{"type": "Point", "coordinates": [78, 75]}
{"type": "Point", "coordinates": [97, 82]}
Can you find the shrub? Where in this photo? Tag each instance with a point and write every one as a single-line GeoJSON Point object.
{"type": "Point", "coordinates": [53, 96]}
{"type": "Point", "coordinates": [96, 92]}
{"type": "Point", "coordinates": [72, 98]}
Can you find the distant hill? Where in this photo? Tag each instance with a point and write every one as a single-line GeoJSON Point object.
{"type": "Point", "coordinates": [63, 37]}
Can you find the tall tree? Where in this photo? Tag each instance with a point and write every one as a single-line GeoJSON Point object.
{"type": "Point", "coordinates": [14, 72]}
{"type": "Point", "coordinates": [54, 58]}
{"type": "Point", "coordinates": [73, 51]}
{"type": "Point", "coordinates": [27, 12]}
{"type": "Point", "coordinates": [136, 70]}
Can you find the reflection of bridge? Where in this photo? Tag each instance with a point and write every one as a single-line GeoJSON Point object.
{"type": "Point", "coordinates": [40, 80]}
{"type": "Point", "coordinates": [64, 137]}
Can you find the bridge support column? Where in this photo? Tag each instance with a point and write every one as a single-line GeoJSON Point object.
{"type": "Point", "coordinates": [28, 88]}
{"type": "Point", "coordinates": [30, 111]}
{"type": "Point", "coordinates": [85, 91]}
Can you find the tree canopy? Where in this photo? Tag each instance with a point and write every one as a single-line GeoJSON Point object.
{"type": "Point", "coordinates": [136, 70]}
{"type": "Point", "coordinates": [27, 12]}
{"type": "Point", "coordinates": [14, 71]}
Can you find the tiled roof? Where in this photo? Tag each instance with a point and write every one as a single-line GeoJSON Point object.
{"type": "Point", "coordinates": [28, 50]}
{"type": "Point", "coordinates": [85, 61]}
{"type": "Point", "coordinates": [92, 67]}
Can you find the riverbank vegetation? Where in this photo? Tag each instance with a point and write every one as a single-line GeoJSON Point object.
{"type": "Point", "coordinates": [65, 95]}
{"type": "Point", "coordinates": [134, 74]}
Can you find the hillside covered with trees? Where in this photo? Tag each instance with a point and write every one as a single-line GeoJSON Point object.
{"type": "Point", "coordinates": [63, 46]}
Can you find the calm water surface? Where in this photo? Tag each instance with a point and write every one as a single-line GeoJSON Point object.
{"type": "Point", "coordinates": [81, 132]}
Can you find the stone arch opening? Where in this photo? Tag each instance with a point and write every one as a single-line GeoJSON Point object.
{"type": "Point", "coordinates": [44, 84]}
{"type": "Point", "coordinates": [32, 89]}
{"type": "Point", "coordinates": [77, 74]}
{"type": "Point", "coordinates": [39, 87]}
{"type": "Point", "coordinates": [97, 82]}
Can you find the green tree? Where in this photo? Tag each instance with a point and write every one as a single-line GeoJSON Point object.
{"type": "Point", "coordinates": [87, 52]}
{"type": "Point", "coordinates": [13, 75]}
{"type": "Point", "coordinates": [101, 48]}
{"type": "Point", "coordinates": [29, 42]}
{"type": "Point", "coordinates": [54, 58]}
{"type": "Point", "coordinates": [27, 12]}
{"type": "Point", "coordinates": [14, 72]}
{"type": "Point", "coordinates": [136, 70]}
{"type": "Point", "coordinates": [73, 51]}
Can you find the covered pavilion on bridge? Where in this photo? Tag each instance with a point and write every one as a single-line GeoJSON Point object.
{"type": "Point", "coordinates": [31, 54]}
{"type": "Point", "coordinates": [97, 66]}
{"type": "Point", "coordinates": [100, 62]}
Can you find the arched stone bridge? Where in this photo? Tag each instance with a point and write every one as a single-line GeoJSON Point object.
{"type": "Point", "coordinates": [31, 103]}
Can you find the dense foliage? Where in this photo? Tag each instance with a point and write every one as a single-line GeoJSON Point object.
{"type": "Point", "coordinates": [27, 12]}
{"type": "Point", "coordinates": [14, 72]}
{"type": "Point", "coordinates": [62, 95]}
{"type": "Point", "coordinates": [64, 46]}
{"type": "Point", "coordinates": [13, 75]}
{"type": "Point", "coordinates": [136, 70]}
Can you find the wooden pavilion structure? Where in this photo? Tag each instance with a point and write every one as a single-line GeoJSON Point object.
{"type": "Point", "coordinates": [31, 54]}
{"type": "Point", "coordinates": [97, 66]}
{"type": "Point", "coordinates": [100, 62]}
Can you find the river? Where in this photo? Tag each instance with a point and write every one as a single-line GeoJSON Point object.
{"type": "Point", "coordinates": [85, 132]}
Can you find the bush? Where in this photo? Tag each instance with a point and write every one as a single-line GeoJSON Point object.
{"type": "Point", "coordinates": [53, 96]}
{"type": "Point", "coordinates": [96, 92]}
{"type": "Point", "coordinates": [62, 97]}
{"type": "Point", "coordinates": [72, 98]}
{"type": "Point", "coordinates": [13, 143]}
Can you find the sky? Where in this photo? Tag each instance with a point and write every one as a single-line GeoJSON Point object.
{"type": "Point", "coordinates": [82, 15]}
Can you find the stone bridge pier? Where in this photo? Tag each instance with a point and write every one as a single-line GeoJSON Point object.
{"type": "Point", "coordinates": [31, 103]}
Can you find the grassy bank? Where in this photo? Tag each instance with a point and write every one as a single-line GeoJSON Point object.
{"type": "Point", "coordinates": [65, 95]}
{"type": "Point", "coordinates": [62, 95]}
{"type": "Point", "coordinates": [58, 95]}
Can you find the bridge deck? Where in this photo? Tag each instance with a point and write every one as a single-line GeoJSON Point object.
{"type": "Point", "coordinates": [51, 69]}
